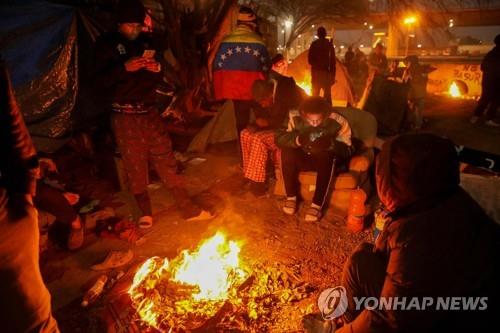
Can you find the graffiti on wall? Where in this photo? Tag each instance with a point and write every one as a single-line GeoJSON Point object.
{"type": "Point", "coordinates": [441, 79]}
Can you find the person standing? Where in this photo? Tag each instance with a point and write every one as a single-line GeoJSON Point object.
{"type": "Point", "coordinates": [241, 59]}
{"type": "Point", "coordinates": [128, 69]}
{"type": "Point", "coordinates": [321, 57]}
{"type": "Point", "coordinates": [377, 60]}
{"type": "Point", "coordinates": [349, 60]}
{"type": "Point", "coordinates": [490, 98]}
{"type": "Point", "coordinates": [25, 301]}
{"type": "Point", "coordinates": [416, 75]}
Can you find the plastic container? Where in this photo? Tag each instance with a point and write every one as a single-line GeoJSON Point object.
{"type": "Point", "coordinates": [356, 211]}
{"type": "Point", "coordinates": [93, 293]}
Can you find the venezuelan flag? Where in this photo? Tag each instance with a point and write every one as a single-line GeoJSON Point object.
{"type": "Point", "coordinates": [242, 58]}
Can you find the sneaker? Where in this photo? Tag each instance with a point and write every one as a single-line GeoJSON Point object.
{"type": "Point", "coordinates": [473, 119]}
{"type": "Point", "coordinates": [492, 123]}
{"type": "Point", "coordinates": [114, 259]}
{"type": "Point", "coordinates": [290, 207]}
{"type": "Point", "coordinates": [145, 222]}
{"type": "Point", "coordinates": [191, 212]}
{"type": "Point", "coordinates": [75, 238]}
{"type": "Point", "coordinates": [204, 215]}
{"type": "Point", "coordinates": [313, 214]}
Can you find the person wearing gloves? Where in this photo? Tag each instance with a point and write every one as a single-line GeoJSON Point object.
{"type": "Point", "coordinates": [314, 138]}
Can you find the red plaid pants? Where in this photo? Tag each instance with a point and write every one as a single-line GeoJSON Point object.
{"type": "Point", "coordinates": [256, 147]}
{"type": "Point", "coordinates": [141, 139]}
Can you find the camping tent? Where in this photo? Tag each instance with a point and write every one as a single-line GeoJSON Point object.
{"type": "Point", "coordinates": [342, 90]}
{"type": "Point", "coordinates": [222, 127]}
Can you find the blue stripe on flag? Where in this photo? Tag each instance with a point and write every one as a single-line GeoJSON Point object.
{"type": "Point", "coordinates": [251, 57]}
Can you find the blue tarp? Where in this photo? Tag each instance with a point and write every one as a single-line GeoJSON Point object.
{"type": "Point", "coordinates": [32, 34]}
{"type": "Point", "coordinates": [38, 43]}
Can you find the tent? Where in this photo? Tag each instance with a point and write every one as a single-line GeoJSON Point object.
{"type": "Point", "coordinates": [222, 127]}
{"type": "Point", "coordinates": [342, 90]}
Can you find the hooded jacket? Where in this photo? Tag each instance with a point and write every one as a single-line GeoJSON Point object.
{"type": "Point", "coordinates": [439, 242]}
{"type": "Point", "coordinates": [335, 127]}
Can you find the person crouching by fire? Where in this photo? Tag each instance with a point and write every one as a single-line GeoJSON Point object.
{"type": "Point", "coordinates": [314, 139]}
{"type": "Point", "coordinates": [438, 247]}
{"type": "Point", "coordinates": [129, 70]}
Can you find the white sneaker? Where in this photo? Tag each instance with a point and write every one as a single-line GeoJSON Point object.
{"type": "Point", "coordinates": [473, 119]}
{"type": "Point", "coordinates": [145, 222]}
{"type": "Point", "coordinates": [114, 259]}
{"type": "Point", "coordinates": [492, 123]}
{"type": "Point", "coordinates": [290, 207]}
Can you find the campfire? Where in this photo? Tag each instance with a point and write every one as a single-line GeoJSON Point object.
{"type": "Point", "coordinates": [454, 90]}
{"type": "Point", "coordinates": [211, 286]}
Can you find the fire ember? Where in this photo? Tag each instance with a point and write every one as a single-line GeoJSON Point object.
{"type": "Point", "coordinates": [211, 287]}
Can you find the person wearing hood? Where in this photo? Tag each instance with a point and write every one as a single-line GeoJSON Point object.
{"type": "Point", "coordinates": [438, 242]}
{"type": "Point", "coordinates": [312, 138]}
{"type": "Point", "coordinates": [25, 301]}
{"type": "Point", "coordinates": [490, 98]}
{"type": "Point", "coordinates": [128, 69]}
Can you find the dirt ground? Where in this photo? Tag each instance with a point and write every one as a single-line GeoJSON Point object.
{"type": "Point", "coordinates": [317, 250]}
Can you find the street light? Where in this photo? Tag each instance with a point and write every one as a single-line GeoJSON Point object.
{"type": "Point", "coordinates": [409, 21]}
{"type": "Point", "coordinates": [288, 24]}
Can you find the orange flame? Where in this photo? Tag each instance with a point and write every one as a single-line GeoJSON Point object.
{"type": "Point", "coordinates": [454, 90]}
{"type": "Point", "coordinates": [206, 276]}
{"type": "Point", "coordinates": [306, 86]}
{"type": "Point", "coordinates": [210, 267]}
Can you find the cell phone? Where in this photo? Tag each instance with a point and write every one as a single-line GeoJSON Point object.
{"type": "Point", "coordinates": [149, 54]}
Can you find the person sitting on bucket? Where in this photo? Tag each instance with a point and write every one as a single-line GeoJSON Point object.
{"type": "Point", "coordinates": [438, 251]}
{"type": "Point", "coordinates": [312, 139]}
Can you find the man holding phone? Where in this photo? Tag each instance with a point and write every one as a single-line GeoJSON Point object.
{"type": "Point", "coordinates": [128, 71]}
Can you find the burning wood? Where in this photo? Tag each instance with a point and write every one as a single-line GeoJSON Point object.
{"type": "Point", "coordinates": [209, 289]}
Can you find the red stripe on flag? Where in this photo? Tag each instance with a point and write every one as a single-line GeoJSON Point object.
{"type": "Point", "coordinates": [235, 84]}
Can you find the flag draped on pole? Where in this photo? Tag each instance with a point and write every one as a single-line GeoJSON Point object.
{"type": "Point", "coordinates": [242, 58]}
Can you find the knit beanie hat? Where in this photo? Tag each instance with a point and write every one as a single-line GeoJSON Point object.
{"type": "Point", "coordinates": [130, 11]}
{"type": "Point", "coordinates": [247, 15]}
